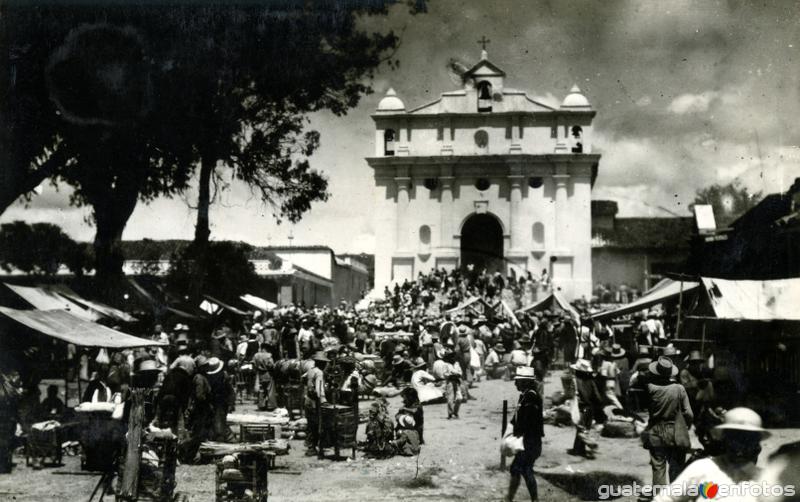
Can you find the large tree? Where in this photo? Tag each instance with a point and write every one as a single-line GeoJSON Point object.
{"type": "Point", "coordinates": [40, 248]}
{"type": "Point", "coordinates": [121, 101]}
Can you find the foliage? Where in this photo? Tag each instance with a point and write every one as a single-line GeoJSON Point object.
{"type": "Point", "coordinates": [729, 201]}
{"type": "Point", "coordinates": [40, 248]}
{"type": "Point", "coordinates": [123, 100]}
{"type": "Point", "coordinates": [227, 275]}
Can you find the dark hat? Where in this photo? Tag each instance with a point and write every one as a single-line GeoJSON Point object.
{"type": "Point", "coordinates": [663, 367]}
{"type": "Point", "coordinates": [499, 348]}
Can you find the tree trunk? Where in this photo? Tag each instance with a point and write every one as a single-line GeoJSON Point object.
{"type": "Point", "coordinates": [202, 230]}
{"type": "Point", "coordinates": [111, 213]}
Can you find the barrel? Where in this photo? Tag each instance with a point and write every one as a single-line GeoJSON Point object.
{"type": "Point", "coordinates": [339, 426]}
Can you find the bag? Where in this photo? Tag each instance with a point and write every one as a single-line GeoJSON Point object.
{"type": "Point", "coordinates": [575, 411]}
{"type": "Point", "coordinates": [682, 433]}
{"type": "Point", "coordinates": [474, 359]}
{"type": "Point", "coordinates": [510, 445]}
{"type": "Point", "coordinates": [102, 357]}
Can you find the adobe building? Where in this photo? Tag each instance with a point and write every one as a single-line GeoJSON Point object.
{"type": "Point", "coordinates": [485, 175]}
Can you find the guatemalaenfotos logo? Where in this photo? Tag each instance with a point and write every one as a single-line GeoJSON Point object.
{"type": "Point", "coordinates": [708, 489]}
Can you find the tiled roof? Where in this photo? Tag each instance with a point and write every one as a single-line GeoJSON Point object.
{"type": "Point", "coordinates": [645, 233]}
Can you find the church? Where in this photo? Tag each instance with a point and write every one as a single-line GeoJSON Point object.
{"type": "Point", "coordinates": [485, 176]}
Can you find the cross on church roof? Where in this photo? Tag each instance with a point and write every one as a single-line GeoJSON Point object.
{"type": "Point", "coordinates": [483, 41]}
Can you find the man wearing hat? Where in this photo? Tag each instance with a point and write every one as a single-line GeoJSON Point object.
{"type": "Point", "coordinates": [528, 424]}
{"type": "Point", "coordinates": [222, 397]}
{"type": "Point", "coordinates": [667, 432]}
{"type": "Point", "coordinates": [701, 393]}
{"type": "Point", "coordinates": [589, 400]}
{"type": "Point", "coordinates": [314, 399]}
{"type": "Point", "coordinates": [741, 434]}
{"type": "Point", "coordinates": [463, 347]}
{"type": "Point", "coordinates": [495, 365]}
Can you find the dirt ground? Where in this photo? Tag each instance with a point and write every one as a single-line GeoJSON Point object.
{"type": "Point", "coordinates": [460, 461]}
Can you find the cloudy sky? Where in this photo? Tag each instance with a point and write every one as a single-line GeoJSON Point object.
{"type": "Point", "coordinates": [687, 94]}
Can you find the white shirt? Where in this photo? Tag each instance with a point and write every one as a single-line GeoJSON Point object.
{"type": "Point", "coordinates": [713, 470]}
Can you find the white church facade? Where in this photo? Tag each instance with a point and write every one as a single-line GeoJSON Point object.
{"type": "Point", "coordinates": [485, 175]}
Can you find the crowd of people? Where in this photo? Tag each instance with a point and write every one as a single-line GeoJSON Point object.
{"type": "Point", "coordinates": [425, 342]}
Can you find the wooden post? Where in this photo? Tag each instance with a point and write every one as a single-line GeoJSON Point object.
{"type": "Point", "coordinates": [503, 432]}
{"type": "Point", "coordinates": [129, 485]}
{"type": "Point", "coordinates": [355, 390]}
{"type": "Point", "coordinates": [320, 452]}
{"type": "Point", "coordinates": [680, 303]}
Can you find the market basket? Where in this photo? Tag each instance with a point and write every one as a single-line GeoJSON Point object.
{"type": "Point", "coordinates": [243, 479]}
{"type": "Point", "coordinates": [44, 443]}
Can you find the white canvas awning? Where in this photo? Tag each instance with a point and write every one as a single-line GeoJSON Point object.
{"type": "Point", "coordinates": [555, 303]}
{"type": "Point", "coordinates": [46, 299]}
{"type": "Point", "coordinates": [67, 327]}
{"type": "Point", "coordinates": [664, 291]}
{"type": "Point", "coordinates": [773, 300]}
{"type": "Point", "coordinates": [258, 302]}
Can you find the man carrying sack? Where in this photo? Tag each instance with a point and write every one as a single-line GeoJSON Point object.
{"type": "Point", "coordinates": [667, 432]}
{"type": "Point", "coordinates": [528, 424]}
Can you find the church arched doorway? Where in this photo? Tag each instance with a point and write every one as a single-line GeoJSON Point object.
{"type": "Point", "coordinates": [482, 243]}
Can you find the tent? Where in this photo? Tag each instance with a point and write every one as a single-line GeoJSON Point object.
{"type": "Point", "coordinates": [213, 306]}
{"type": "Point", "coordinates": [101, 308]}
{"type": "Point", "coordinates": [664, 291]}
{"type": "Point", "coordinates": [475, 304]}
{"type": "Point", "coordinates": [47, 299]}
{"type": "Point", "coordinates": [772, 300]}
{"type": "Point", "coordinates": [258, 302]}
{"type": "Point", "coordinates": [69, 328]}
{"type": "Point", "coordinates": [554, 302]}
{"type": "Point", "coordinates": [503, 310]}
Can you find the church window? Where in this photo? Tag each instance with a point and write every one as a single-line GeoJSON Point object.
{"type": "Point", "coordinates": [521, 132]}
{"type": "Point", "coordinates": [535, 182]}
{"type": "Point", "coordinates": [482, 184]}
{"type": "Point", "coordinates": [481, 139]}
{"type": "Point", "coordinates": [484, 96]}
{"type": "Point", "coordinates": [389, 137]}
{"type": "Point", "coordinates": [538, 233]}
{"type": "Point", "coordinates": [425, 234]}
{"type": "Point", "coordinates": [553, 132]}
{"type": "Point", "coordinates": [577, 133]}
{"type": "Point", "coordinates": [508, 132]}
{"type": "Point", "coordinates": [440, 134]}
{"type": "Point", "coordinates": [431, 183]}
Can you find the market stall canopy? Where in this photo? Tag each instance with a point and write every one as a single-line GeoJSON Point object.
{"type": "Point", "coordinates": [101, 308]}
{"type": "Point", "coordinates": [664, 291]}
{"type": "Point", "coordinates": [554, 303]}
{"type": "Point", "coordinates": [47, 299]}
{"type": "Point", "coordinates": [502, 309]}
{"type": "Point", "coordinates": [773, 300]}
{"type": "Point", "coordinates": [213, 306]}
{"type": "Point", "coordinates": [67, 327]}
{"type": "Point", "coordinates": [258, 302]}
{"type": "Point", "coordinates": [476, 304]}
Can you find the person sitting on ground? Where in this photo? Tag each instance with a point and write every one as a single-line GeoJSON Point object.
{"type": "Point", "coordinates": [494, 364]}
{"type": "Point", "coordinates": [413, 406]}
{"type": "Point", "coordinates": [51, 408]}
{"type": "Point", "coordinates": [379, 431]}
{"type": "Point", "coordinates": [407, 441]}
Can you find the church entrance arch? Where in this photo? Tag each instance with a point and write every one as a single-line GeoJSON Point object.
{"type": "Point", "coordinates": [482, 243]}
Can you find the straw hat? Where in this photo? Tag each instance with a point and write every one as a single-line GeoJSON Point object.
{"type": "Point", "coordinates": [320, 356]}
{"type": "Point", "coordinates": [695, 355]}
{"type": "Point", "coordinates": [582, 366]}
{"type": "Point", "coordinates": [743, 419]}
{"type": "Point", "coordinates": [182, 339]}
{"type": "Point", "coordinates": [463, 330]}
{"type": "Point", "coordinates": [524, 373]}
{"type": "Point", "coordinates": [670, 350]}
{"type": "Point", "coordinates": [616, 351]}
{"type": "Point", "coordinates": [663, 367]}
{"type": "Point", "coordinates": [419, 363]}
{"type": "Point", "coordinates": [147, 366]}
{"type": "Point", "coordinates": [406, 421]}
{"type": "Point", "coordinates": [397, 359]}
{"type": "Point", "coordinates": [213, 366]}
{"type": "Point", "coordinates": [499, 348]}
